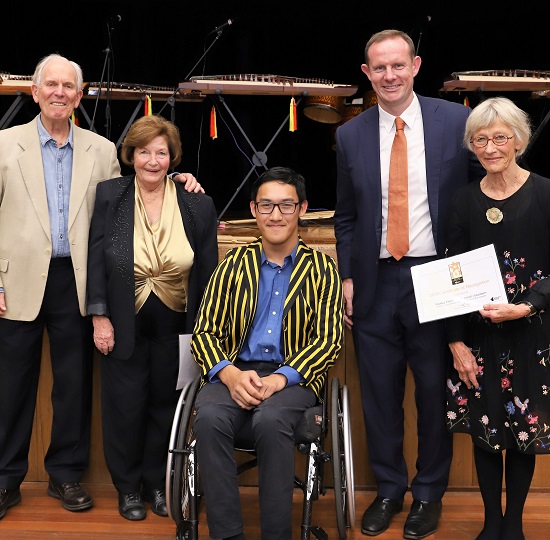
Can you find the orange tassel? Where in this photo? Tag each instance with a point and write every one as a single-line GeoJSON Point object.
{"type": "Point", "coordinates": [293, 116]}
{"type": "Point", "coordinates": [148, 107]}
{"type": "Point", "coordinates": [213, 126]}
{"type": "Point", "coordinates": [466, 101]}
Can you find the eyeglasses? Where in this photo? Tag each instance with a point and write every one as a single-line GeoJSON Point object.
{"type": "Point", "coordinates": [284, 207]}
{"type": "Point", "coordinates": [482, 142]}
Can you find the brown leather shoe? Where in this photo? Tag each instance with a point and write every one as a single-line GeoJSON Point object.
{"type": "Point", "coordinates": [157, 500]}
{"type": "Point", "coordinates": [8, 498]}
{"type": "Point", "coordinates": [73, 497]}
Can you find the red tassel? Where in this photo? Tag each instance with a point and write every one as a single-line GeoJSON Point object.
{"type": "Point", "coordinates": [213, 126]}
{"type": "Point", "coordinates": [148, 107]}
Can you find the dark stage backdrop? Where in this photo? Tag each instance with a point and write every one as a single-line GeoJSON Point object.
{"type": "Point", "coordinates": [159, 42]}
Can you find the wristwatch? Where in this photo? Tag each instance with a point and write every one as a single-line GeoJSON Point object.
{"type": "Point", "coordinates": [532, 309]}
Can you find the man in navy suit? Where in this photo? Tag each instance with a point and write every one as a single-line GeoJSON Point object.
{"type": "Point", "coordinates": [380, 306]}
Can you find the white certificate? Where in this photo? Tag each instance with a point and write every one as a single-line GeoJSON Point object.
{"type": "Point", "coordinates": [459, 284]}
{"type": "Point", "coordinates": [189, 369]}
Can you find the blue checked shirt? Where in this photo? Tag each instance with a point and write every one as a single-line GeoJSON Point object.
{"type": "Point", "coordinates": [58, 165]}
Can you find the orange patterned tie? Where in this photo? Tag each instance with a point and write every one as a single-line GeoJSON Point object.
{"type": "Point", "coordinates": [397, 242]}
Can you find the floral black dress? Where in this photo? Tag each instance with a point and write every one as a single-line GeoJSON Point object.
{"type": "Point", "coordinates": [511, 408]}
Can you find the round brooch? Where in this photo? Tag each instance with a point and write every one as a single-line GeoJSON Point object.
{"type": "Point", "coordinates": [494, 215]}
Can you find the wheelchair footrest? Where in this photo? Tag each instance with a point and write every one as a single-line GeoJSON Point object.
{"type": "Point", "coordinates": [319, 533]}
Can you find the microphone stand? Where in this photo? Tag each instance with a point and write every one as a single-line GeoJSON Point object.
{"type": "Point", "coordinates": [418, 44]}
{"type": "Point", "coordinates": [172, 97]}
{"type": "Point", "coordinates": [106, 68]}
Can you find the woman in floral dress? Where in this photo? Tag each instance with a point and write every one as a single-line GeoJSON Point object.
{"type": "Point", "coordinates": [499, 389]}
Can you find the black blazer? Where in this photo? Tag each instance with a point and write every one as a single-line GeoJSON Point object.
{"type": "Point", "coordinates": [111, 284]}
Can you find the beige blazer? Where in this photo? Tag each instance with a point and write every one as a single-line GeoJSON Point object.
{"type": "Point", "coordinates": [25, 240]}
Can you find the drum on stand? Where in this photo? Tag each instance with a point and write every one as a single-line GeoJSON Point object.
{"type": "Point", "coordinates": [324, 109]}
{"type": "Point", "coordinates": [369, 99]}
{"type": "Point", "coordinates": [351, 110]}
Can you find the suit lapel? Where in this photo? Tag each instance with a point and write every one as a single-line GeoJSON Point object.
{"type": "Point", "coordinates": [249, 276]}
{"type": "Point", "coordinates": [302, 266]}
{"type": "Point", "coordinates": [369, 140]}
{"type": "Point", "coordinates": [83, 166]}
{"type": "Point", "coordinates": [434, 125]}
{"type": "Point", "coordinates": [32, 172]}
{"type": "Point", "coordinates": [186, 216]}
{"type": "Point", "coordinates": [251, 268]}
{"type": "Point", "coordinates": [122, 227]}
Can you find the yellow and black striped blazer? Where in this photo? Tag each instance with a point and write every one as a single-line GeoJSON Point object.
{"type": "Point", "coordinates": [312, 319]}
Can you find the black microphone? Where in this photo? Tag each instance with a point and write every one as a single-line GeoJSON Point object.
{"type": "Point", "coordinates": [115, 19]}
{"type": "Point", "coordinates": [229, 22]}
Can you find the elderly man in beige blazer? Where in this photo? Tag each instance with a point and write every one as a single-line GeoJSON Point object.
{"type": "Point", "coordinates": [49, 169]}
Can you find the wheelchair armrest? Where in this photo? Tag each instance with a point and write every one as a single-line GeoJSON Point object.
{"type": "Point", "coordinates": [309, 429]}
{"type": "Point", "coordinates": [310, 425]}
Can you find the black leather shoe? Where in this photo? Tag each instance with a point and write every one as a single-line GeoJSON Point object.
{"type": "Point", "coordinates": [378, 515]}
{"type": "Point", "coordinates": [8, 498]}
{"type": "Point", "coordinates": [422, 519]}
{"type": "Point", "coordinates": [157, 500]}
{"type": "Point", "coordinates": [73, 497]}
{"type": "Point", "coordinates": [130, 506]}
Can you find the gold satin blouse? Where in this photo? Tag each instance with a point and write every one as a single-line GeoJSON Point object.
{"type": "Point", "coordinates": [163, 256]}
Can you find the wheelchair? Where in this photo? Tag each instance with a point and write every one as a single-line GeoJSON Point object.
{"type": "Point", "coordinates": [183, 491]}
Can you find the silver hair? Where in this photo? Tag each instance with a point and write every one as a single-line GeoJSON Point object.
{"type": "Point", "coordinates": [499, 109]}
{"type": "Point", "coordinates": [37, 76]}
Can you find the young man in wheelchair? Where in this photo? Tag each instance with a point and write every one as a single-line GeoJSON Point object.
{"type": "Point", "coordinates": [268, 329]}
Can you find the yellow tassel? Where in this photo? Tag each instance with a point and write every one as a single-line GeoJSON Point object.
{"type": "Point", "coordinates": [466, 101]}
{"type": "Point", "coordinates": [213, 124]}
{"type": "Point", "coordinates": [293, 116]}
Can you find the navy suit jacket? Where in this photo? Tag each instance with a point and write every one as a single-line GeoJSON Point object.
{"type": "Point", "coordinates": [358, 216]}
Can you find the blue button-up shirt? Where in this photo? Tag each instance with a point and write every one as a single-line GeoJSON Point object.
{"type": "Point", "coordinates": [58, 164]}
{"type": "Point", "coordinates": [265, 339]}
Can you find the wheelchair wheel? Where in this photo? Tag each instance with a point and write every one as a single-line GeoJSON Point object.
{"type": "Point", "coordinates": [171, 446]}
{"type": "Point", "coordinates": [342, 462]}
{"type": "Point", "coordinates": [181, 473]}
{"type": "Point", "coordinates": [348, 453]}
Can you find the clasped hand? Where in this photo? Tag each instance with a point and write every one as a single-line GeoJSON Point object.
{"type": "Point", "coordinates": [498, 313]}
{"type": "Point", "coordinates": [247, 388]}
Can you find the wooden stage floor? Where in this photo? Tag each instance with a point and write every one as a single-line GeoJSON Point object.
{"type": "Point", "coordinates": [40, 517]}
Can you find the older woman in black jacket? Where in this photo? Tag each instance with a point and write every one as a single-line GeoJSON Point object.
{"type": "Point", "coordinates": [152, 248]}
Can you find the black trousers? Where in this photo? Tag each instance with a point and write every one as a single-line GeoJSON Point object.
{"type": "Point", "coordinates": [139, 399]}
{"type": "Point", "coordinates": [71, 351]}
{"type": "Point", "coordinates": [273, 422]}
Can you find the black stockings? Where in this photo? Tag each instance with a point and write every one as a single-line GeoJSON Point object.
{"type": "Point", "coordinates": [519, 473]}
